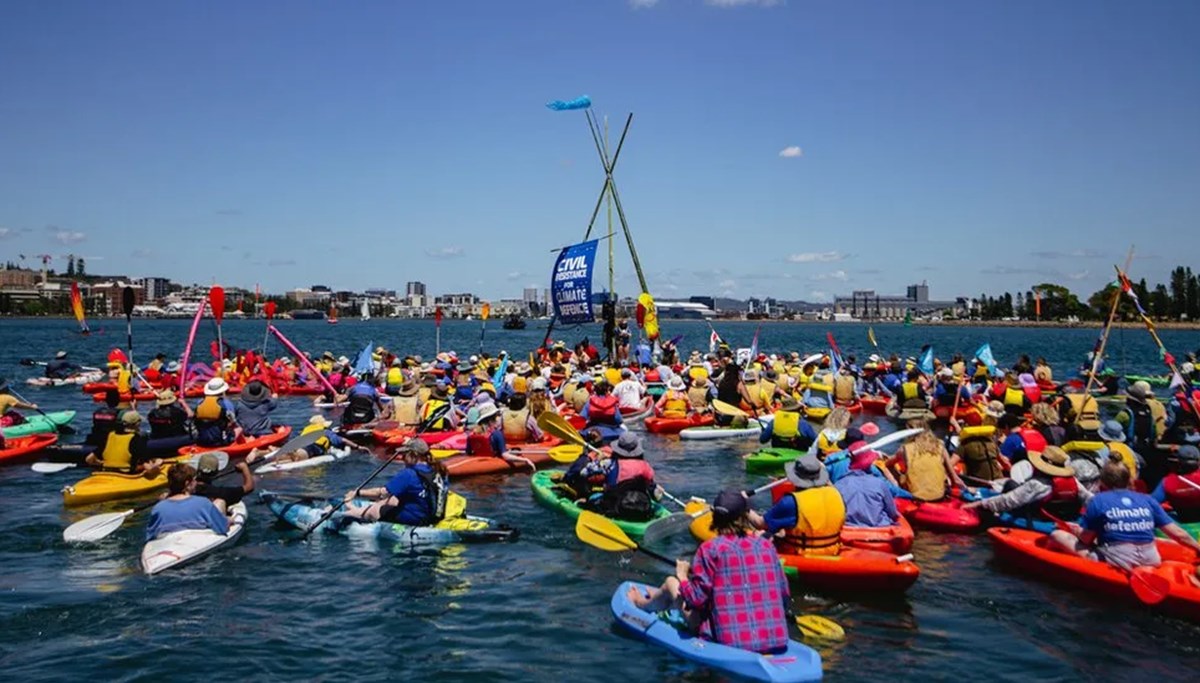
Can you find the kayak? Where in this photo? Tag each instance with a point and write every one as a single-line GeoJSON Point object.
{"type": "Point", "coordinates": [854, 407]}
{"type": "Point", "coordinates": [544, 491]}
{"type": "Point", "coordinates": [816, 413]}
{"type": "Point", "coordinates": [472, 465]}
{"type": "Point", "coordinates": [195, 392]}
{"type": "Point", "coordinates": [640, 412]}
{"type": "Point", "coordinates": [852, 569]}
{"type": "Point", "coordinates": [39, 424]}
{"type": "Point", "coordinates": [876, 405]}
{"type": "Point", "coordinates": [24, 447]}
{"type": "Point", "coordinates": [896, 539]}
{"type": "Point", "coordinates": [1016, 521]}
{"type": "Point", "coordinates": [1033, 554]}
{"type": "Point", "coordinates": [771, 460]}
{"type": "Point", "coordinates": [73, 380]}
{"type": "Point", "coordinates": [101, 487]}
{"type": "Point", "coordinates": [303, 514]}
{"type": "Point", "coordinates": [333, 455]}
{"type": "Point", "coordinates": [180, 547]}
{"type": "Point", "coordinates": [753, 428]}
{"type": "Point", "coordinates": [674, 425]}
{"type": "Point", "coordinates": [240, 449]}
{"type": "Point", "coordinates": [798, 663]}
{"type": "Point", "coordinates": [946, 515]}
{"type": "Point", "coordinates": [1152, 380]}
{"type": "Point", "coordinates": [967, 413]}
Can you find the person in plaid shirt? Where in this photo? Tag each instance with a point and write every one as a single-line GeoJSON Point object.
{"type": "Point", "coordinates": [735, 593]}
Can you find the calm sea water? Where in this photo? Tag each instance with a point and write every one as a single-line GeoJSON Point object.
{"type": "Point", "coordinates": [536, 609]}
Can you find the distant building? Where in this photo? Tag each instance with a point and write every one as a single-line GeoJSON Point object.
{"type": "Point", "coordinates": [321, 288]}
{"type": "Point", "coordinates": [866, 304]}
{"type": "Point", "coordinates": [684, 310]}
{"type": "Point", "coordinates": [157, 288]}
{"type": "Point", "coordinates": [454, 299]}
{"type": "Point", "coordinates": [17, 277]}
{"type": "Point", "coordinates": [414, 289]}
{"type": "Point", "coordinates": [706, 301]}
{"type": "Point", "coordinates": [381, 293]}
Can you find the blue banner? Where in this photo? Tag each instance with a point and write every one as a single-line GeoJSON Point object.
{"type": "Point", "coordinates": [571, 284]}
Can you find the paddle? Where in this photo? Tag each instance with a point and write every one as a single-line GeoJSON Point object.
{"type": "Point", "coordinates": [297, 443]}
{"type": "Point", "coordinates": [734, 411]}
{"type": "Point", "coordinates": [1148, 587]}
{"type": "Point", "coordinates": [216, 299]}
{"type": "Point", "coordinates": [127, 302]}
{"type": "Point", "coordinates": [566, 453]}
{"type": "Point", "coordinates": [269, 311]}
{"type": "Point", "coordinates": [433, 418]}
{"type": "Point", "coordinates": [818, 627]}
{"type": "Point", "coordinates": [60, 428]}
{"type": "Point", "coordinates": [100, 526]}
{"type": "Point", "coordinates": [680, 521]}
{"type": "Point", "coordinates": [484, 312]}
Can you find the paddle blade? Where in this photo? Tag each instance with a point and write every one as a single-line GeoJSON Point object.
{"type": "Point", "coordinates": [566, 453]}
{"type": "Point", "coordinates": [51, 467]}
{"type": "Point", "coordinates": [1147, 586]}
{"type": "Point", "coordinates": [666, 527]}
{"type": "Point", "coordinates": [95, 527]}
{"type": "Point", "coordinates": [820, 628]}
{"type": "Point", "coordinates": [485, 311]}
{"type": "Point", "coordinates": [216, 299]}
{"type": "Point", "coordinates": [127, 301]}
{"type": "Point", "coordinates": [556, 425]}
{"type": "Point", "coordinates": [727, 409]}
{"type": "Point", "coordinates": [269, 309]}
{"type": "Point", "coordinates": [602, 533]}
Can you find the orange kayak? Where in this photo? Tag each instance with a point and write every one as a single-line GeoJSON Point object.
{"type": "Point", "coordinates": [240, 449]}
{"type": "Point", "coordinates": [18, 448]}
{"type": "Point", "coordinates": [674, 425]}
{"type": "Point", "coordinates": [897, 539]}
{"type": "Point", "coordinates": [967, 413]}
{"type": "Point", "coordinates": [947, 516]}
{"type": "Point", "coordinates": [876, 405]}
{"type": "Point", "coordinates": [1033, 554]}
{"type": "Point", "coordinates": [853, 569]}
{"type": "Point", "coordinates": [471, 465]}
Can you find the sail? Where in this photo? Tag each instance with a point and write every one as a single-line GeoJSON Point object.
{"type": "Point", "coordinates": [332, 317]}
{"type": "Point", "coordinates": [77, 307]}
{"type": "Point", "coordinates": [366, 312]}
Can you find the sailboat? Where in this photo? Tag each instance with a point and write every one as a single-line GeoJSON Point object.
{"type": "Point", "coordinates": [366, 311]}
{"type": "Point", "coordinates": [77, 308]}
{"type": "Point", "coordinates": [332, 317]}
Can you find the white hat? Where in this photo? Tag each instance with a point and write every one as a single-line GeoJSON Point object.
{"type": "Point", "coordinates": [215, 387]}
{"type": "Point", "coordinates": [488, 411]}
{"type": "Point", "coordinates": [320, 420]}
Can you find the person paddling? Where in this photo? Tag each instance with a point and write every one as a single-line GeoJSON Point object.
{"type": "Point", "coordinates": [181, 510]}
{"type": "Point", "coordinates": [60, 367]}
{"type": "Point", "coordinates": [207, 469]}
{"type": "Point", "coordinates": [416, 495]}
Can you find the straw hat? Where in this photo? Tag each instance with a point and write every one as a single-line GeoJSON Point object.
{"type": "Point", "coordinates": [320, 421]}
{"type": "Point", "coordinates": [790, 404]}
{"type": "Point", "coordinates": [1053, 461]}
{"type": "Point", "coordinates": [409, 388]}
{"type": "Point", "coordinates": [994, 409]}
{"type": "Point", "coordinates": [676, 383]}
{"type": "Point", "coordinates": [166, 398]}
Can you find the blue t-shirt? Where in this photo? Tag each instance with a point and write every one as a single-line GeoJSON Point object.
{"type": "Point", "coordinates": [406, 486]}
{"type": "Point", "coordinates": [496, 439]}
{"type": "Point", "coordinates": [1124, 516]}
{"type": "Point", "coordinates": [193, 512]}
{"type": "Point", "coordinates": [363, 389]}
{"type": "Point", "coordinates": [1013, 448]}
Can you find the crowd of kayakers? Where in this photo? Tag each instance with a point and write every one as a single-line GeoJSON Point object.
{"type": "Point", "coordinates": [1092, 468]}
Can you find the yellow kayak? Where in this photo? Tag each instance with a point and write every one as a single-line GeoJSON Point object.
{"type": "Point", "coordinates": [101, 487]}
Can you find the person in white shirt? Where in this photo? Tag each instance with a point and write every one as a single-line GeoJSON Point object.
{"type": "Point", "coordinates": [629, 391]}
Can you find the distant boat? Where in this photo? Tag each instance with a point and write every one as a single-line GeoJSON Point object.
{"type": "Point", "coordinates": [332, 317]}
{"type": "Point", "coordinates": [366, 312]}
{"type": "Point", "coordinates": [303, 314]}
{"type": "Point", "coordinates": [514, 322]}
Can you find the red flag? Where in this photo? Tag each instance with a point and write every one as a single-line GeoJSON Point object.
{"type": "Point", "coordinates": [1037, 303]}
{"type": "Point", "coordinates": [269, 309]}
{"type": "Point", "coordinates": [437, 316]}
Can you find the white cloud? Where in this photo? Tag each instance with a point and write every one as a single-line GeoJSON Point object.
{"type": "Point", "coordinates": [514, 275]}
{"type": "Point", "coordinates": [445, 252]}
{"type": "Point", "coordinates": [69, 236]}
{"type": "Point", "coordinates": [1078, 276]}
{"type": "Point", "coordinates": [742, 3]}
{"type": "Point", "coordinates": [817, 257]}
{"type": "Point", "coordinates": [642, 4]}
{"type": "Point", "coordinates": [727, 284]}
{"type": "Point", "coordinates": [819, 295]}
{"type": "Point", "coordinates": [5, 232]}
{"type": "Point", "coordinates": [791, 152]}
{"type": "Point", "coordinates": [839, 275]}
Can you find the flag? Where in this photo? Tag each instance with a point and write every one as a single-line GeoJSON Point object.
{"type": "Point", "coordinates": [437, 316]}
{"type": "Point", "coordinates": [836, 352]}
{"type": "Point", "coordinates": [1177, 381]}
{"type": "Point", "coordinates": [713, 340]}
{"type": "Point", "coordinates": [362, 362]}
{"type": "Point", "coordinates": [581, 102]}
{"type": "Point", "coordinates": [1037, 303]}
{"type": "Point", "coordinates": [984, 354]}
{"type": "Point", "coordinates": [835, 362]}
{"type": "Point", "coordinates": [926, 361]}
{"type": "Point", "coordinates": [871, 337]}
{"type": "Point", "coordinates": [754, 345]}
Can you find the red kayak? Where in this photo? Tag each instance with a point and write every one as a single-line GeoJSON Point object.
{"type": "Point", "coordinates": [876, 405]}
{"type": "Point", "coordinates": [674, 425]}
{"type": "Point", "coordinates": [1033, 553]}
{"type": "Point", "coordinates": [855, 407]}
{"type": "Point", "coordinates": [20, 448]}
{"type": "Point", "coordinates": [967, 413]}
{"type": "Point", "coordinates": [852, 569]}
{"type": "Point", "coordinates": [240, 449]}
{"type": "Point", "coordinates": [896, 539]}
{"type": "Point", "coordinates": [640, 412]}
{"type": "Point", "coordinates": [945, 515]}
{"type": "Point", "coordinates": [471, 465]}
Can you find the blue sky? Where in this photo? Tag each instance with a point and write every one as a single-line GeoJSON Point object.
{"type": "Point", "coordinates": [981, 146]}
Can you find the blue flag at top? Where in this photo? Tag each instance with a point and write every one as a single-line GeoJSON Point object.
{"type": "Point", "coordinates": [984, 354]}
{"type": "Point", "coordinates": [926, 361]}
{"type": "Point", "coordinates": [582, 102]}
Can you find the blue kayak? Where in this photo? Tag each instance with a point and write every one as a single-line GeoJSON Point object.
{"type": "Point", "coordinates": [798, 663]}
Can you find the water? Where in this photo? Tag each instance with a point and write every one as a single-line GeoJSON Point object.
{"type": "Point", "coordinates": [536, 609]}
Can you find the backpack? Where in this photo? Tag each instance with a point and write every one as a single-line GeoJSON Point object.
{"type": "Point", "coordinates": [629, 500]}
{"type": "Point", "coordinates": [436, 493]}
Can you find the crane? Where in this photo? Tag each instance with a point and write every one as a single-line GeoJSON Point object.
{"type": "Point", "coordinates": [46, 259]}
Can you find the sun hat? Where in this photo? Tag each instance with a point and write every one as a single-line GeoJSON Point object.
{"type": "Point", "coordinates": [208, 463]}
{"type": "Point", "coordinates": [329, 355]}
{"type": "Point", "coordinates": [1053, 461]}
{"type": "Point", "coordinates": [1188, 458]}
{"type": "Point", "coordinates": [750, 376]}
{"type": "Point", "coordinates": [320, 420]}
{"type": "Point", "coordinates": [869, 429]}
{"type": "Point", "coordinates": [729, 506]}
{"type": "Point", "coordinates": [676, 383]}
{"type": "Point", "coordinates": [131, 417]}
{"type": "Point", "coordinates": [806, 472]}
{"type": "Point", "coordinates": [789, 403]}
{"type": "Point", "coordinates": [173, 366]}
{"type": "Point", "coordinates": [473, 416]}
{"type": "Point", "coordinates": [1027, 380]}
{"type": "Point", "coordinates": [1141, 389]}
{"type": "Point", "coordinates": [538, 384]}
{"type": "Point", "coordinates": [629, 445]}
{"type": "Point", "coordinates": [994, 409]}
{"type": "Point", "coordinates": [166, 398]}
{"type": "Point", "coordinates": [487, 412]}
{"type": "Point", "coordinates": [439, 390]}
{"type": "Point", "coordinates": [255, 392]}
{"type": "Point", "coordinates": [416, 446]}
{"type": "Point", "coordinates": [1111, 430]}
{"type": "Point", "coordinates": [215, 387]}
{"type": "Point", "coordinates": [863, 459]}
{"type": "Point", "coordinates": [409, 388]}
{"type": "Point", "coordinates": [61, 354]}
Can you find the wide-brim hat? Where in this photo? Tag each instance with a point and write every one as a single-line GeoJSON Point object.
{"type": "Point", "coordinates": [1141, 389]}
{"type": "Point", "coordinates": [215, 387]}
{"type": "Point", "coordinates": [994, 409]}
{"type": "Point", "coordinates": [487, 411]}
{"type": "Point", "coordinates": [439, 390]}
{"type": "Point", "coordinates": [429, 381]}
{"type": "Point", "coordinates": [320, 420]}
{"type": "Point", "coordinates": [522, 368]}
{"type": "Point", "coordinates": [1053, 461]}
{"type": "Point", "coordinates": [1111, 430]}
{"type": "Point", "coordinates": [750, 376]}
{"type": "Point", "coordinates": [131, 417]}
{"type": "Point", "coordinates": [61, 354]}
{"type": "Point", "coordinates": [789, 403]}
{"type": "Point", "coordinates": [254, 392]}
{"type": "Point", "coordinates": [409, 388]}
{"type": "Point", "coordinates": [166, 398]}
{"type": "Point", "coordinates": [173, 366]}
{"type": "Point", "coordinates": [806, 472]}
{"type": "Point", "coordinates": [628, 446]}
{"type": "Point", "coordinates": [676, 383]}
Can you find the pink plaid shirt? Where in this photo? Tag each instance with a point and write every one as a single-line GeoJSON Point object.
{"type": "Point", "coordinates": [740, 587]}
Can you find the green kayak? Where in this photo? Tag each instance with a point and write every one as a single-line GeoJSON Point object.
{"type": "Point", "coordinates": [40, 424]}
{"type": "Point", "coordinates": [1155, 381]}
{"type": "Point", "coordinates": [771, 460]}
{"type": "Point", "coordinates": [546, 493]}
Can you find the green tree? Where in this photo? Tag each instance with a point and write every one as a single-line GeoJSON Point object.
{"type": "Point", "coordinates": [79, 268]}
{"type": "Point", "coordinates": [71, 265]}
{"type": "Point", "coordinates": [1178, 287]}
{"type": "Point", "coordinates": [1159, 304]}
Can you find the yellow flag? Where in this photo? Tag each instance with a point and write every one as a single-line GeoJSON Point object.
{"type": "Point", "coordinates": [871, 337]}
{"type": "Point", "coordinates": [485, 311]}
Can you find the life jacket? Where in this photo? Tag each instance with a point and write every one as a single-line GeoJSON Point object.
{"type": "Point", "coordinates": [979, 452]}
{"type": "Point", "coordinates": [436, 492]}
{"type": "Point", "coordinates": [404, 409]}
{"type": "Point", "coordinates": [676, 405]}
{"type": "Point", "coordinates": [480, 445]}
{"type": "Point", "coordinates": [843, 389]}
{"type": "Point", "coordinates": [820, 395]}
{"type": "Point", "coordinates": [1085, 455]}
{"type": "Point", "coordinates": [786, 425]}
{"type": "Point", "coordinates": [698, 396]}
{"type": "Point", "coordinates": [631, 498]}
{"type": "Point", "coordinates": [124, 381]}
{"type": "Point", "coordinates": [166, 421]}
{"type": "Point", "coordinates": [912, 395]}
{"type": "Point", "coordinates": [766, 393]}
{"type": "Point", "coordinates": [515, 424]}
{"type": "Point", "coordinates": [1015, 401]}
{"type": "Point", "coordinates": [428, 409]}
{"type": "Point", "coordinates": [924, 474]}
{"type": "Point", "coordinates": [602, 409]}
{"type": "Point", "coordinates": [1034, 441]}
{"type": "Point", "coordinates": [395, 378]}
{"type": "Point", "coordinates": [820, 515]}
{"type": "Point", "coordinates": [827, 443]}
{"type": "Point", "coordinates": [1063, 501]}
{"type": "Point", "coordinates": [755, 390]}
{"type": "Point", "coordinates": [1083, 413]}
{"type": "Point", "coordinates": [210, 409]}
{"type": "Point", "coordinates": [580, 398]}
{"type": "Point", "coordinates": [1184, 499]}
{"type": "Point", "coordinates": [210, 419]}
{"type": "Point", "coordinates": [323, 442]}
{"type": "Point", "coordinates": [117, 454]}
{"type": "Point", "coordinates": [104, 421]}
{"type": "Point", "coordinates": [1127, 457]}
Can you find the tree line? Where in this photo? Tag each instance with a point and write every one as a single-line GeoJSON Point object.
{"type": "Point", "coordinates": [1176, 300]}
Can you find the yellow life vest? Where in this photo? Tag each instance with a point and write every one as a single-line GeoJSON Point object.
{"type": "Point", "coordinates": [843, 389]}
{"type": "Point", "coordinates": [427, 410]}
{"type": "Point", "coordinates": [423, 394]}
{"type": "Point", "coordinates": [404, 409]}
{"type": "Point", "coordinates": [209, 409]}
{"type": "Point", "coordinates": [1076, 446]}
{"type": "Point", "coordinates": [827, 443]}
{"type": "Point", "coordinates": [676, 405]}
{"type": "Point", "coordinates": [323, 442]}
{"type": "Point", "coordinates": [124, 381]}
{"type": "Point", "coordinates": [767, 391]}
{"type": "Point", "coordinates": [1014, 397]}
{"type": "Point", "coordinates": [820, 515]}
{"type": "Point", "coordinates": [697, 372]}
{"type": "Point", "coordinates": [754, 389]}
{"type": "Point", "coordinates": [395, 378]}
{"type": "Point", "coordinates": [925, 474]}
{"type": "Point", "coordinates": [568, 389]}
{"type": "Point", "coordinates": [787, 424]}
{"type": "Point", "coordinates": [1126, 457]}
{"type": "Point", "coordinates": [977, 431]}
{"type": "Point", "coordinates": [117, 455]}
{"type": "Point", "coordinates": [514, 423]}
{"type": "Point", "coordinates": [1083, 411]}
{"type": "Point", "coordinates": [698, 396]}
{"type": "Point", "coordinates": [910, 391]}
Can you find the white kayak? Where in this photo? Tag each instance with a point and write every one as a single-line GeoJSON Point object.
{"type": "Point", "coordinates": [73, 380]}
{"type": "Point", "coordinates": [178, 547]}
{"type": "Point", "coordinates": [332, 456]}
{"type": "Point", "coordinates": [752, 429]}
{"type": "Point", "coordinates": [645, 410]}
